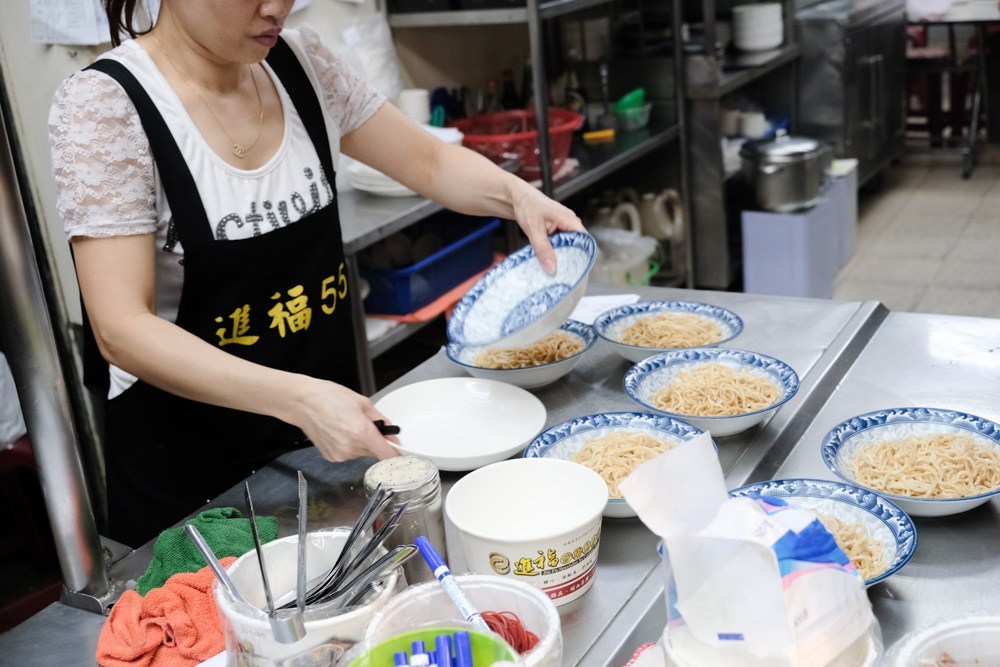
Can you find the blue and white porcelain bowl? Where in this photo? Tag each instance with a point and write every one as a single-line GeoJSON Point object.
{"type": "Point", "coordinates": [645, 379]}
{"type": "Point", "coordinates": [880, 518]}
{"type": "Point", "coordinates": [516, 302]}
{"type": "Point", "coordinates": [563, 440]}
{"type": "Point", "coordinates": [846, 439]}
{"type": "Point", "coordinates": [611, 324]}
{"type": "Point", "coordinates": [531, 376]}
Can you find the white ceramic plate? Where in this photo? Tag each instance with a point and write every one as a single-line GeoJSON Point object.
{"type": "Point", "coordinates": [463, 423]}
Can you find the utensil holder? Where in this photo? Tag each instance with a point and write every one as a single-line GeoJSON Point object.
{"type": "Point", "coordinates": [249, 640]}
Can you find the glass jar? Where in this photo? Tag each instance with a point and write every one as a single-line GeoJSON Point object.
{"type": "Point", "coordinates": [415, 481]}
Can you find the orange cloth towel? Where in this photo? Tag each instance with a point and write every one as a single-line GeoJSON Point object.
{"type": "Point", "coordinates": [175, 625]}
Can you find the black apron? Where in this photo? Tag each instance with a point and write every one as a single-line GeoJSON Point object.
{"type": "Point", "coordinates": [279, 299]}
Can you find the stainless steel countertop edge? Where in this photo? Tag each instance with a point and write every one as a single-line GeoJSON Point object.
{"type": "Point", "coordinates": [787, 426]}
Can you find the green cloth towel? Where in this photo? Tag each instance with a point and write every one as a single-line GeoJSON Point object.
{"type": "Point", "coordinates": [225, 531]}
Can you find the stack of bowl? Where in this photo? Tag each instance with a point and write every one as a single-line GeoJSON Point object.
{"type": "Point", "coordinates": [758, 27]}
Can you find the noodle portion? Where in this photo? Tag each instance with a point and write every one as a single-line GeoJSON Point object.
{"type": "Point", "coordinates": [667, 329]}
{"type": "Point", "coordinates": [866, 552]}
{"type": "Point", "coordinates": [936, 465]}
{"type": "Point", "coordinates": [556, 346]}
{"type": "Point", "coordinates": [616, 455]}
{"type": "Point", "coordinates": [716, 390]}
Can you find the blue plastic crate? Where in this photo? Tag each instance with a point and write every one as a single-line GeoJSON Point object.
{"type": "Point", "coordinates": [467, 250]}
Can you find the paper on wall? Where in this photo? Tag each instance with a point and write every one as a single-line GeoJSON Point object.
{"type": "Point", "coordinates": [743, 577]}
{"type": "Point", "coordinates": [68, 22]}
{"type": "Point", "coordinates": [83, 22]}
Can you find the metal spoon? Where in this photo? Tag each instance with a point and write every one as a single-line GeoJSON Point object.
{"type": "Point", "coordinates": [286, 628]}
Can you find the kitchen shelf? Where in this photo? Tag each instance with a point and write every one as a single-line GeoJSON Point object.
{"type": "Point", "coordinates": [600, 160]}
{"type": "Point", "coordinates": [394, 336]}
{"type": "Point", "coordinates": [734, 78]}
{"type": "Point", "coordinates": [366, 219]}
{"type": "Point", "coordinates": [467, 17]}
{"type": "Point", "coordinates": [771, 79]}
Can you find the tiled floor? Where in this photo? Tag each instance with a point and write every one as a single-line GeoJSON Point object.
{"type": "Point", "coordinates": [929, 240]}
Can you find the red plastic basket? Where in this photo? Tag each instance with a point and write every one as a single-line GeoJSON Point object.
{"type": "Point", "coordinates": [506, 135]}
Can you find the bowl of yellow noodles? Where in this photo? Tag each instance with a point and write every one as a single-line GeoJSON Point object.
{"type": "Point", "coordinates": [720, 390]}
{"type": "Point", "coordinates": [929, 461]}
{"type": "Point", "coordinates": [612, 444]}
{"type": "Point", "coordinates": [534, 365]}
{"type": "Point", "coordinates": [640, 330]}
{"type": "Point", "coordinates": [872, 531]}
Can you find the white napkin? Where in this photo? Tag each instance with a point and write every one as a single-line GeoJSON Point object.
{"type": "Point", "coordinates": [590, 307]}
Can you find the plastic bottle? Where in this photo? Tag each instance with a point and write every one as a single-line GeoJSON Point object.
{"type": "Point", "coordinates": [509, 99]}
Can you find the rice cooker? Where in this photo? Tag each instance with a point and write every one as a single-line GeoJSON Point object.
{"type": "Point", "coordinates": [786, 173]}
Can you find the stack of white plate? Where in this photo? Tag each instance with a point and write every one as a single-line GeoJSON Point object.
{"type": "Point", "coordinates": [758, 27]}
{"type": "Point", "coordinates": [362, 177]}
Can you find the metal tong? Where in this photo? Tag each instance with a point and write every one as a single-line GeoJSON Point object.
{"type": "Point", "coordinates": [287, 628]}
{"type": "Point", "coordinates": [213, 562]}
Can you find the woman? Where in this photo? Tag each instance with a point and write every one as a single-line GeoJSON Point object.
{"type": "Point", "coordinates": [196, 186]}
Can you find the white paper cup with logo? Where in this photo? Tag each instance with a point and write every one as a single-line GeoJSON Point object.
{"type": "Point", "coordinates": [535, 520]}
{"type": "Point", "coordinates": [248, 630]}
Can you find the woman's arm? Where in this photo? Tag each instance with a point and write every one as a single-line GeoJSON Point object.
{"type": "Point", "coordinates": [116, 277]}
{"type": "Point", "coordinates": [457, 178]}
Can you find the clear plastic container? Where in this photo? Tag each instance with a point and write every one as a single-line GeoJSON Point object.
{"type": "Point", "coordinates": [430, 602]}
{"type": "Point", "coordinates": [963, 641]}
{"type": "Point", "coordinates": [634, 118]}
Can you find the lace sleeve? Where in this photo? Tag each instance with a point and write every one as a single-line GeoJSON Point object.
{"type": "Point", "coordinates": [347, 96]}
{"type": "Point", "coordinates": [101, 160]}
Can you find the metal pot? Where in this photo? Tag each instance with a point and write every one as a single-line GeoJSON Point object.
{"type": "Point", "coordinates": [787, 173]}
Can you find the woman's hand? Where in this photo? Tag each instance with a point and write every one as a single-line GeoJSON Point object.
{"type": "Point", "coordinates": [538, 216]}
{"type": "Point", "coordinates": [340, 423]}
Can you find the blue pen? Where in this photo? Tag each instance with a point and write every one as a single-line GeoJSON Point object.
{"type": "Point", "coordinates": [419, 657]}
{"type": "Point", "coordinates": [400, 659]}
{"type": "Point", "coordinates": [442, 645]}
{"type": "Point", "coordinates": [443, 574]}
{"type": "Point", "coordinates": [463, 649]}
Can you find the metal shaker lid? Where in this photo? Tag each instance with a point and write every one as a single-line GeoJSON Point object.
{"type": "Point", "coordinates": [411, 478]}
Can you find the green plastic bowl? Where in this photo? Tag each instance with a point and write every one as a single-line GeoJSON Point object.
{"type": "Point", "coordinates": [631, 100]}
{"type": "Point", "coordinates": [486, 648]}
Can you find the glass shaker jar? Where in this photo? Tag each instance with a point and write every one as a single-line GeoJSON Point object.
{"type": "Point", "coordinates": [415, 481]}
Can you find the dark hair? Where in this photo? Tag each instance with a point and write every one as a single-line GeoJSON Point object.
{"type": "Point", "coordinates": [121, 16]}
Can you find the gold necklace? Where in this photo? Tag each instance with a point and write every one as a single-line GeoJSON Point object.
{"type": "Point", "coordinates": [238, 149]}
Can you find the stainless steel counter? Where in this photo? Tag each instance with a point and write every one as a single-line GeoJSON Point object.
{"type": "Point", "coordinates": [851, 357]}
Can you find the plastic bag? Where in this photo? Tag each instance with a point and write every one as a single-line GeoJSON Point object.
{"type": "Point", "coordinates": [748, 582]}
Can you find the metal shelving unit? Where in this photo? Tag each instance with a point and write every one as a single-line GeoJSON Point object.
{"type": "Point", "coordinates": [709, 77]}
{"type": "Point", "coordinates": [367, 219]}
